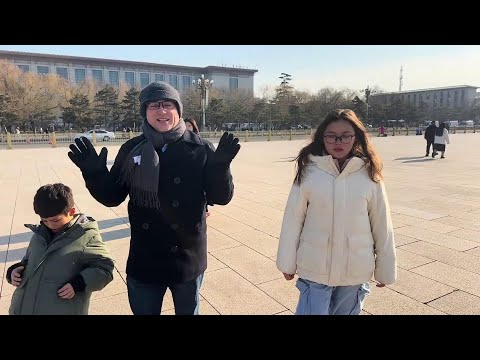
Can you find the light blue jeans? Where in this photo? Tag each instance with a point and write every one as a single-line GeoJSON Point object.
{"type": "Point", "coordinates": [319, 299]}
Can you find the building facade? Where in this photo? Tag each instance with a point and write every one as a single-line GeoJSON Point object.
{"type": "Point", "coordinates": [133, 73]}
{"type": "Point", "coordinates": [451, 97]}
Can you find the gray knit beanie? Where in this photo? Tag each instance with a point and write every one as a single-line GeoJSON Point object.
{"type": "Point", "coordinates": [159, 91]}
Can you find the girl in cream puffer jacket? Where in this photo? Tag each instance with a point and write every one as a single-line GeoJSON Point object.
{"type": "Point", "coordinates": [337, 231]}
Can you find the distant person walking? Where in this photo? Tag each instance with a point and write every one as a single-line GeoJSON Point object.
{"type": "Point", "coordinates": [440, 141]}
{"type": "Point", "coordinates": [430, 137]}
{"type": "Point", "coordinates": [382, 131]}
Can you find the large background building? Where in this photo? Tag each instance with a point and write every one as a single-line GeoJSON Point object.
{"type": "Point", "coordinates": [451, 96]}
{"type": "Point", "coordinates": [134, 73]}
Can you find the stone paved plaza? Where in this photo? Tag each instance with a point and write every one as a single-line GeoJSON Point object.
{"type": "Point", "coordinates": [435, 209]}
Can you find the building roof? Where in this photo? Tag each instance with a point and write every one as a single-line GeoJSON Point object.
{"type": "Point", "coordinates": [124, 63]}
{"type": "Point", "coordinates": [430, 89]}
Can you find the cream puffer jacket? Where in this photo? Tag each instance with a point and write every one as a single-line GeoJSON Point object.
{"type": "Point", "coordinates": [337, 229]}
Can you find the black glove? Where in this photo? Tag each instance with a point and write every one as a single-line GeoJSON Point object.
{"type": "Point", "coordinates": [227, 149]}
{"type": "Point", "coordinates": [77, 282]}
{"type": "Point", "coordinates": [85, 156]}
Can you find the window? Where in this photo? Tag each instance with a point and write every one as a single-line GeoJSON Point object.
{"type": "Point", "coordinates": [97, 76]}
{"type": "Point", "coordinates": [414, 99]}
{"type": "Point", "coordinates": [173, 80]}
{"type": "Point", "coordinates": [186, 82]}
{"type": "Point", "coordinates": [80, 75]}
{"type": "Point", "coordinates": [62, 72]}
{"type": "Point", "coordinates": [113, 78]}
{"type": "Point", "coordinates": [24, 68]}
{"type": "Point", "coordinates": [233, 83]}
{"type": "Point", "coordinates": [144, 79]}
{"type": "Point", "coordinates": [130, 78]}
{"type": "Point", "coordinates": [159, 77]}
{"type": "Point", "coordinates": [43, 70]}
{"type": "Point", "coordinates": [408, 98]}
{"type": "Point", "coordinates": [455, 100]}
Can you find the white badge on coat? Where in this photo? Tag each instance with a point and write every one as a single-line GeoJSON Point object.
{"type": "Point", "coordinates": [137, 159]}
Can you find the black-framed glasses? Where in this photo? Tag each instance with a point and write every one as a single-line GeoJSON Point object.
{"type": "Point", "coordinates": [168, 105]}
{"type": "Point", "coordinates": [344, 139]}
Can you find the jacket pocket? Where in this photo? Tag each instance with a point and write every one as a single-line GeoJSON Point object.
{"type": "Point", "coordinates": [50, 304]}
{"type": "Point", "coordinates": [361, 256]}
{"type": "Point", "coordinates": [17, 300]}
{"type": "Point", "coordinates": [313, 256]}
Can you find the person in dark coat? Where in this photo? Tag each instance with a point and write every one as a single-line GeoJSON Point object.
{"type": "Point", "coordinates": [170, 175]}
{"type": "Point", "coordinates": [191, 125]}
{"type": "Point", "coordinates": [430, 136]}
{"type": "Point", "coordinates": [66, 259]}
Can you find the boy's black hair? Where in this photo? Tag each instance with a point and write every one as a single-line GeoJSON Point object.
{"type": "Point", "coordinates": [53, 199]}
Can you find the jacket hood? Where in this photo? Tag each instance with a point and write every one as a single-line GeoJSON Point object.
{"type": "Point", "coordinates": [327, 164]}
{"type": "Point", "coordinates": [86, 222]}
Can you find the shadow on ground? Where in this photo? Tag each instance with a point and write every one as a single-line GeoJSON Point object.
{"type": "Point", "coordinates": [17, 254]}
{"type": "Point", "coordinates": [418, 160]}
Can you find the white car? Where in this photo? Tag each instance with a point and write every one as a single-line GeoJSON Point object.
{"type": "Point", "coordinates": [101, 134]}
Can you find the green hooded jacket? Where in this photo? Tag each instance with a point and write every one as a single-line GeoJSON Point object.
{"type": "Point", "coordinates": [78, 250]}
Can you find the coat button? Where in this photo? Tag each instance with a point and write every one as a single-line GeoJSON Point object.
{"type": "Point", "coordinates": [175, 203]}
{"type": "Point", "coordinates": [177, 180]}
{"type": "Point", "coordinates": [174, 226]}
{"type": "Point", "coordinates": [174, 249]}
{"type": "Point", "coordinates": [145, 226]}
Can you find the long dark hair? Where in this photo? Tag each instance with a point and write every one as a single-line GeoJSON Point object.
{"type": "Point", "coordinates": [192, 121]}
{"type": "Point", "coordinates": [439, 130]}
{"type": "Point", "coordinates": [362, 146]}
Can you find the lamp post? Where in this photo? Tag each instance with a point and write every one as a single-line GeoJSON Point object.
{"type": "Point", "coordinates": [271, 104]}
{"type": "Point", "coordinates": [368, 92]}
{"type": "Point", "coordinates": [203, 85]}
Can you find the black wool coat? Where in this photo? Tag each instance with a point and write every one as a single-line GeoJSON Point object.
{"type": "Point", "coordinates": [169, 245]}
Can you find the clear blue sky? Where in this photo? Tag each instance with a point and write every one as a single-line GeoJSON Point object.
{"type": "Point", "coordinates": [312, 66]}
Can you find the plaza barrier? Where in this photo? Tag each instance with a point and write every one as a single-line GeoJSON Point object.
{"type": "Point", "coordinates": [55, 139]}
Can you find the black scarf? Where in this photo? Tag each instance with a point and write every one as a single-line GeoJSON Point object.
{"type": "Point", "coordinates": [143, 178]}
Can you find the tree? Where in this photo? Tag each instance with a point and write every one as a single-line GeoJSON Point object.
{"type": "Point", "coordinates": [260, 112]}
{"type": "Point", "coordinates": [78, 112]}
{"type": "Point", "coordinates": [191, 103]}
{"type": "Point", "coordinates": [106, 109]}
{"type": "Point", "coordinates": [131, 108]}
{"type": "Point", "coordinates": [7, 117]}
{"type": "Point", "coordinates": [358, 105]}
{"type": "Point", "coordinates": [33, 99]}
{"type": "Point", "coordinates": [215, 113]}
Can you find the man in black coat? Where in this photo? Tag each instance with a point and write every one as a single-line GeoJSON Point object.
{"type": "Point", "coordinates": [170, 175]}
{"type": "Point", "coordinates": [430, 136]}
